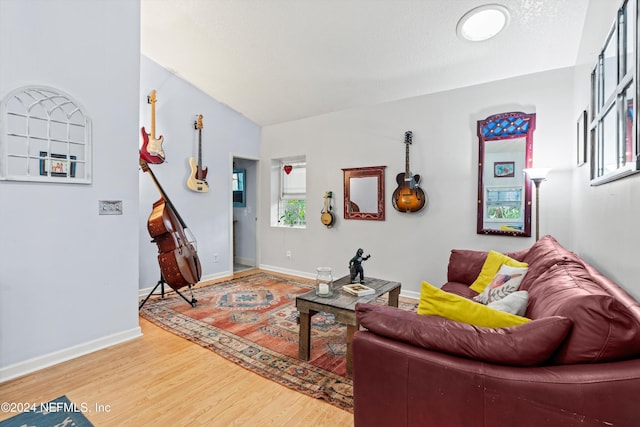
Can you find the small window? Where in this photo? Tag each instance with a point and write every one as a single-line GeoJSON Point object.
{"type": "Point", "coordinates": [289, 192]}
{"type": "Point", "coordinates": [238, 187]}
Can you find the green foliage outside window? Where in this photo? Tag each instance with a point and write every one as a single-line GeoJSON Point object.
{"type": "Point", "coordinates": [504, 212]}
{"type": "Point", "coordinates": [294, 212]}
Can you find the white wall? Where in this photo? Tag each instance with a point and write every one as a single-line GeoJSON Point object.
{"type": "Point", "coordinates": [605, 227]}
{"type": "Point", "coordinates": [68, 277]}
{"type": "Point", "coordinates": [224, 133]}
{"type": "Point", "coordinates": [415, 247]}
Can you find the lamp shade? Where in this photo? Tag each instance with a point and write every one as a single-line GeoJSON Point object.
{"type": "Point", "coordinates": [537, 173]}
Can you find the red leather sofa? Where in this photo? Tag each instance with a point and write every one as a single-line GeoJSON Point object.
{"type": "Point", "coordinates": [577, 363]}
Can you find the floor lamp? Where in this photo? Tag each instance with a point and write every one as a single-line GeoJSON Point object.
{"type": "Point", "coordinates": [537, 175]}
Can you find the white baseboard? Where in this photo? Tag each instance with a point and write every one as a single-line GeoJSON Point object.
{"type": "Point", "coordinates": [244, 261]}
{"type": "Point", "coordinates": [216, 276]}
{"type": "Point", "coordinates": [28, 366]}
{"type": "Point", "coordinates": [287, 271]}
{"type": "Point", "coordinates": [410, 294]}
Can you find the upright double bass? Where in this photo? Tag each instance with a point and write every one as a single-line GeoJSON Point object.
{"type": "Point", "coordinates": [177, 256]}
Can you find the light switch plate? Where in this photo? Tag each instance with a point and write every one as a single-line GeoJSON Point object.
{"type": "Point", "coordinates": [109, 207]}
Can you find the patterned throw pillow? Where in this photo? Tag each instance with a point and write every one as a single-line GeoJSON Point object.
{"type": "Point", "coordinates": [505, 282]}
{"type": "Point", "coordinates": [490, 268]}
{"type": "Point", "coordinates": [514, 303]}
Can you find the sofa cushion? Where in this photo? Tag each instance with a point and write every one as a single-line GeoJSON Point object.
{"type": "Point", "coordinates": [604, 329]}
{"type": "Point", "coordinates": [436, 302]}
{"type": "Point", "coordinates": [543, 254]}
{"type": "Point", "coordinates": [465, 265]}
{"type": "Point", "coordinates": [524, 345]}
{"type": "Point", "coordinates": [490, 268]}
{"type": "Point", "coordinates": [459, 289]}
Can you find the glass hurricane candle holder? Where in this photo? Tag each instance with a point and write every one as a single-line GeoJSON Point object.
{"type": "Point", "coordinates": [324, 282]}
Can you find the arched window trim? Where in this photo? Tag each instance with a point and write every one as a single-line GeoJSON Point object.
{"type": "Point", "coordinates": [45, 136]}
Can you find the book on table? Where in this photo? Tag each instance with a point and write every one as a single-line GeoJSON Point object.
{"type": "Point", "coordinates": [358, 289]}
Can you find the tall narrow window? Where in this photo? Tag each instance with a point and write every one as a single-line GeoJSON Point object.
{"type": "Point", "coordinates": [613, 125]}
{"type": "Point", "coordinates": [289, 192]}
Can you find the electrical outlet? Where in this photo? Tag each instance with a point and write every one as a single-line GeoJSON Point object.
{"type": "Point", "coordinates": [109, 207]}
{"type": "Point", "coordinates": [215, 257]}
{"type": "Point", "coordinates": [288, 254]}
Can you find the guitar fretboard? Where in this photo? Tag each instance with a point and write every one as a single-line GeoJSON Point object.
{"type": "Point", "coordinates": [407, 140]}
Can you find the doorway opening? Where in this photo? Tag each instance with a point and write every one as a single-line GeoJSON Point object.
{"type": "Point", "coordinates": [244, 189]}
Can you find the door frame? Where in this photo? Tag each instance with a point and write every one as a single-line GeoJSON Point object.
{"type": "Point", "coordinates": [252, 182]}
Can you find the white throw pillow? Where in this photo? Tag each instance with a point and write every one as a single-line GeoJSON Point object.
{"type": "Point", "coordinates": [514, 303]}
{"type": "Point", "coordinates": [507, 280]}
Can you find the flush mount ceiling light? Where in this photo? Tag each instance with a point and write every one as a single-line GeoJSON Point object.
{"type": "Point", "coordinates": [483, 22]}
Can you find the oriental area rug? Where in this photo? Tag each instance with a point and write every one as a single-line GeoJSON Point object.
{"type": "Point", "coordinates": [252, 321]}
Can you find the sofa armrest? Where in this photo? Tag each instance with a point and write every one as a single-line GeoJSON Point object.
{"type": "Point", "coordinates": [400, 384]}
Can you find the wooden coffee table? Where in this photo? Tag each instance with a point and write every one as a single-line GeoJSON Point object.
{"type": "Point", "coordinates": [342, 306]}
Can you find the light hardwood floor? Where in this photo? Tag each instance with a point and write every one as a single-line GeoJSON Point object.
{"type": "Point", "coordinates": [161, 379]}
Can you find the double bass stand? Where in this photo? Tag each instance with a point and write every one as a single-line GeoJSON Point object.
{"type": "Point", "coordinates": [161, 283]}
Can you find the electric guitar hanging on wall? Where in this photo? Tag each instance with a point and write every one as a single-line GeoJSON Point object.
{"type": "Point", "coordinates": [151, 150]}
{"type": "Point", "coordinates": [408, 197]}
{"type": "Point", "coordinates": [197, 177]}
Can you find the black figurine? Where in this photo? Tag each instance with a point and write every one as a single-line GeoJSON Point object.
{"type": "Point", "coordinates": [355, 266]}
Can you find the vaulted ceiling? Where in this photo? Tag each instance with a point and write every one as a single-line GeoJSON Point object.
{"type": "Point", "coordinates": [280, 60]}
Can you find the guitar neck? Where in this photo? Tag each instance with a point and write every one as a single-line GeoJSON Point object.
{"type": "Point", "coordinates": [200, 149]}
{"type": "Point", "coordinates": [152, 101]}
{"type": "Point", "coordinates": [407, 172]}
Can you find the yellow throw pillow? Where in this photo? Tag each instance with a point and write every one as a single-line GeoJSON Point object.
{"type": "Point", "coordinates": [437, 302]}
{"type": "Point", "coordinates": [490, 268]}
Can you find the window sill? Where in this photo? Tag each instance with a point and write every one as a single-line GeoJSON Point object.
{"type": "Point", "coordinates": [299, 227]}
{"type": "Point", "coordinates": [623, 172]}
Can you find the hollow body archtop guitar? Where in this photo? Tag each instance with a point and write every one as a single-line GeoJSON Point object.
{"type": "Point", "coordinates": [197, 180]}
{"type": "Point", "coordinates": [408, 197]}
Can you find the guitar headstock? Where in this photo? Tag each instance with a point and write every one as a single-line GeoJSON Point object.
{"type": "Point", "coordinates": [328, 194]}
{"type": "Point", "coordinates": [198, 123]}
{"type": "Point", "coordinates": [151, 98]}
{"type": "Point", "coordinates": [408, 136]}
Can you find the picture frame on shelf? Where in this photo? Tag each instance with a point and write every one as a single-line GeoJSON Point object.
{"type": "Point", "coordinates": [58, 164]}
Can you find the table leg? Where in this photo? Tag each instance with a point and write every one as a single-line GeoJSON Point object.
{"type": "Point", "coordinates": [304, 340]}
{"type": "Point", "coordinates": [351, 329]}
{"type": "Point", "coordinates": [394, 297]}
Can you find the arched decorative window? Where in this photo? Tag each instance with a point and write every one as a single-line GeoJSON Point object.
{"type": "Point", "coordinates": [46, 137]}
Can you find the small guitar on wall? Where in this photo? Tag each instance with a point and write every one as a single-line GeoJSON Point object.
{"type": "Point", "coordinates": [198, 177]}
{"type": "Point", "coordinates": [151, 150]}
{"type": "Point", "coordinates": [408, 197]}
{"type": "Point", "coordinates": [327, 216]}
